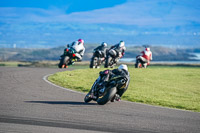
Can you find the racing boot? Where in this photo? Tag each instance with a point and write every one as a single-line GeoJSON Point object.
{"type": "Point", "coordinates": [115, 98]}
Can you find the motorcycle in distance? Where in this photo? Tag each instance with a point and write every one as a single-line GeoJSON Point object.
{"type": "Point", "coordinates": [103, 93]}
{"type": "Point", "coordinates": [110, 59]}
{"type": "Point", "coordinates": [97, 59]}
{"type": "Point", "coordinates": [140, 63]}
{"type": "Point", "coordinates": [67, 58]}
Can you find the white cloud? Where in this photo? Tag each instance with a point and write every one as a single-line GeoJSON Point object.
{"type": "Point", "coordinates": [140, 13]}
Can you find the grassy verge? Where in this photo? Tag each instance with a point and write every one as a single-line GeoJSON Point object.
{"type": "Point", "coordinates": [176, 87]}
{"type": "Point", "coordinates": [13, 63]}
{"type": "Point", "coordinates": [49, 64]}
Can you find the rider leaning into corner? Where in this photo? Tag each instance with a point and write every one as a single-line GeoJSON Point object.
{"type": "Point", "coordinates": [78, 46]}
{"type": "Point", "coordinates": [122, 71]}
{"type": "Point", "coordinates": [102, 48]}
{"type": "Point", "coordinates": [120, 49]}
{"type": "Point", "coordinates": [146, 56]}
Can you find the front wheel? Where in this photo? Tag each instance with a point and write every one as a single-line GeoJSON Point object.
{"type": "Point", "coordinates": [108, 96]}
{"type": "Point", "coordinates": [60, 64]}
{"type": "Point", "coordinates": [138, 64]}
{"type": "Point", "coordinates": [87, 98]}
{"type": "Point", "coordinates": [93, 62]}
{"type": "Point", "coordinates": [107, 62]}
{"type": "Point", "coordinates": [63, 61]}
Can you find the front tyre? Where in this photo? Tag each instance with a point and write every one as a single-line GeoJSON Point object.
{"type": "Point", "coordinates": [61, 62]}
{"type": "Point", "coordinates": [107, 63]}
{"type": "Point", "coordinates": [107, 97]}
{"type": "Point", "coordinates": [138, 64]}
{"type": "Point", "coordinates": [66, 60]}
{"type": "Point", "coordinates": [93, 62]}
{"type": "Point", "coordinates": [87, 98]}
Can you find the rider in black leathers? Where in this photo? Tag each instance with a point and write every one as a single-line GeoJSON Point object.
{"type": "Point", "coordinates": [120, 49]}
{"type": "Point", "coordinates": [103, 49]}
{"type": "Point", "coordinates": [122, 70]}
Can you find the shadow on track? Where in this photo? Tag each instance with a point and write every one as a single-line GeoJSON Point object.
{"type": "Point", "coordinates": [62, 102]}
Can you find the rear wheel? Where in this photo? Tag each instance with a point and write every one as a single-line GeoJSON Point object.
{"type": "Point", "coordinates": [108, 96]}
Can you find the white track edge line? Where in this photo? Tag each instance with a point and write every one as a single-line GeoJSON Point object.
{"type": "Point", "coordinates": [45, 79]}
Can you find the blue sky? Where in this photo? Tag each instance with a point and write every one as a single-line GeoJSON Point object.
{"type": "Point", "coordinates": [156, 22]}
{"type": "Point", "coordinates": [69, 5]}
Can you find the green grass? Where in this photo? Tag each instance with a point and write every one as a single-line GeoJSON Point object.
{"type": "Point", "coordinates": [176, 87]}
{"type": "Point", "coordinates": [12, 63]}
{"type": "Point", "coordinates": [51, 64]}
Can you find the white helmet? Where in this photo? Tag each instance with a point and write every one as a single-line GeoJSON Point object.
{"type": "Point", "coordinates": [121, 44]}
{"type": "Point", "coordinates": [122, 66]}
{"type": "Point", "coordinates": [104, 44]}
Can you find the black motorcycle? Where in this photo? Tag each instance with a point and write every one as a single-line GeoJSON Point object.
{"type": "Point", "coordinates": [97, 59]}
{"type": "Point", "coordinates": [111, 58]}
{"type": "Point", "coordinates": [140, 63]}
{"type": "Point", "coordinates": [102, 91]}
{"type": "Point", "coordinates": [68, 57]}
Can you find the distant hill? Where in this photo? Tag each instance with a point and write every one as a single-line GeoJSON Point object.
{"type": "Point", "coordinates": [159, 53]}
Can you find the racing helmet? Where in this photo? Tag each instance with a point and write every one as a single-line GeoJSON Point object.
{"type": "Point", "coordinates": [147, 49]}
{"type": "Point", "coordinates": [104, 44]}
{"type": "Point", "coordinates": [121, 44]}
{"type": "Point", "coordinates": [81, 41]}
{"type": "Point", "coordinates": [123, 66]}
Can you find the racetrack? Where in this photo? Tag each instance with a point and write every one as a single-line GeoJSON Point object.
{"type": "Point", "coordinates": [30, 104]}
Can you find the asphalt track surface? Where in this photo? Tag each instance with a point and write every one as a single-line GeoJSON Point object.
{"type": "Point", "coordinates": [30, 104]}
